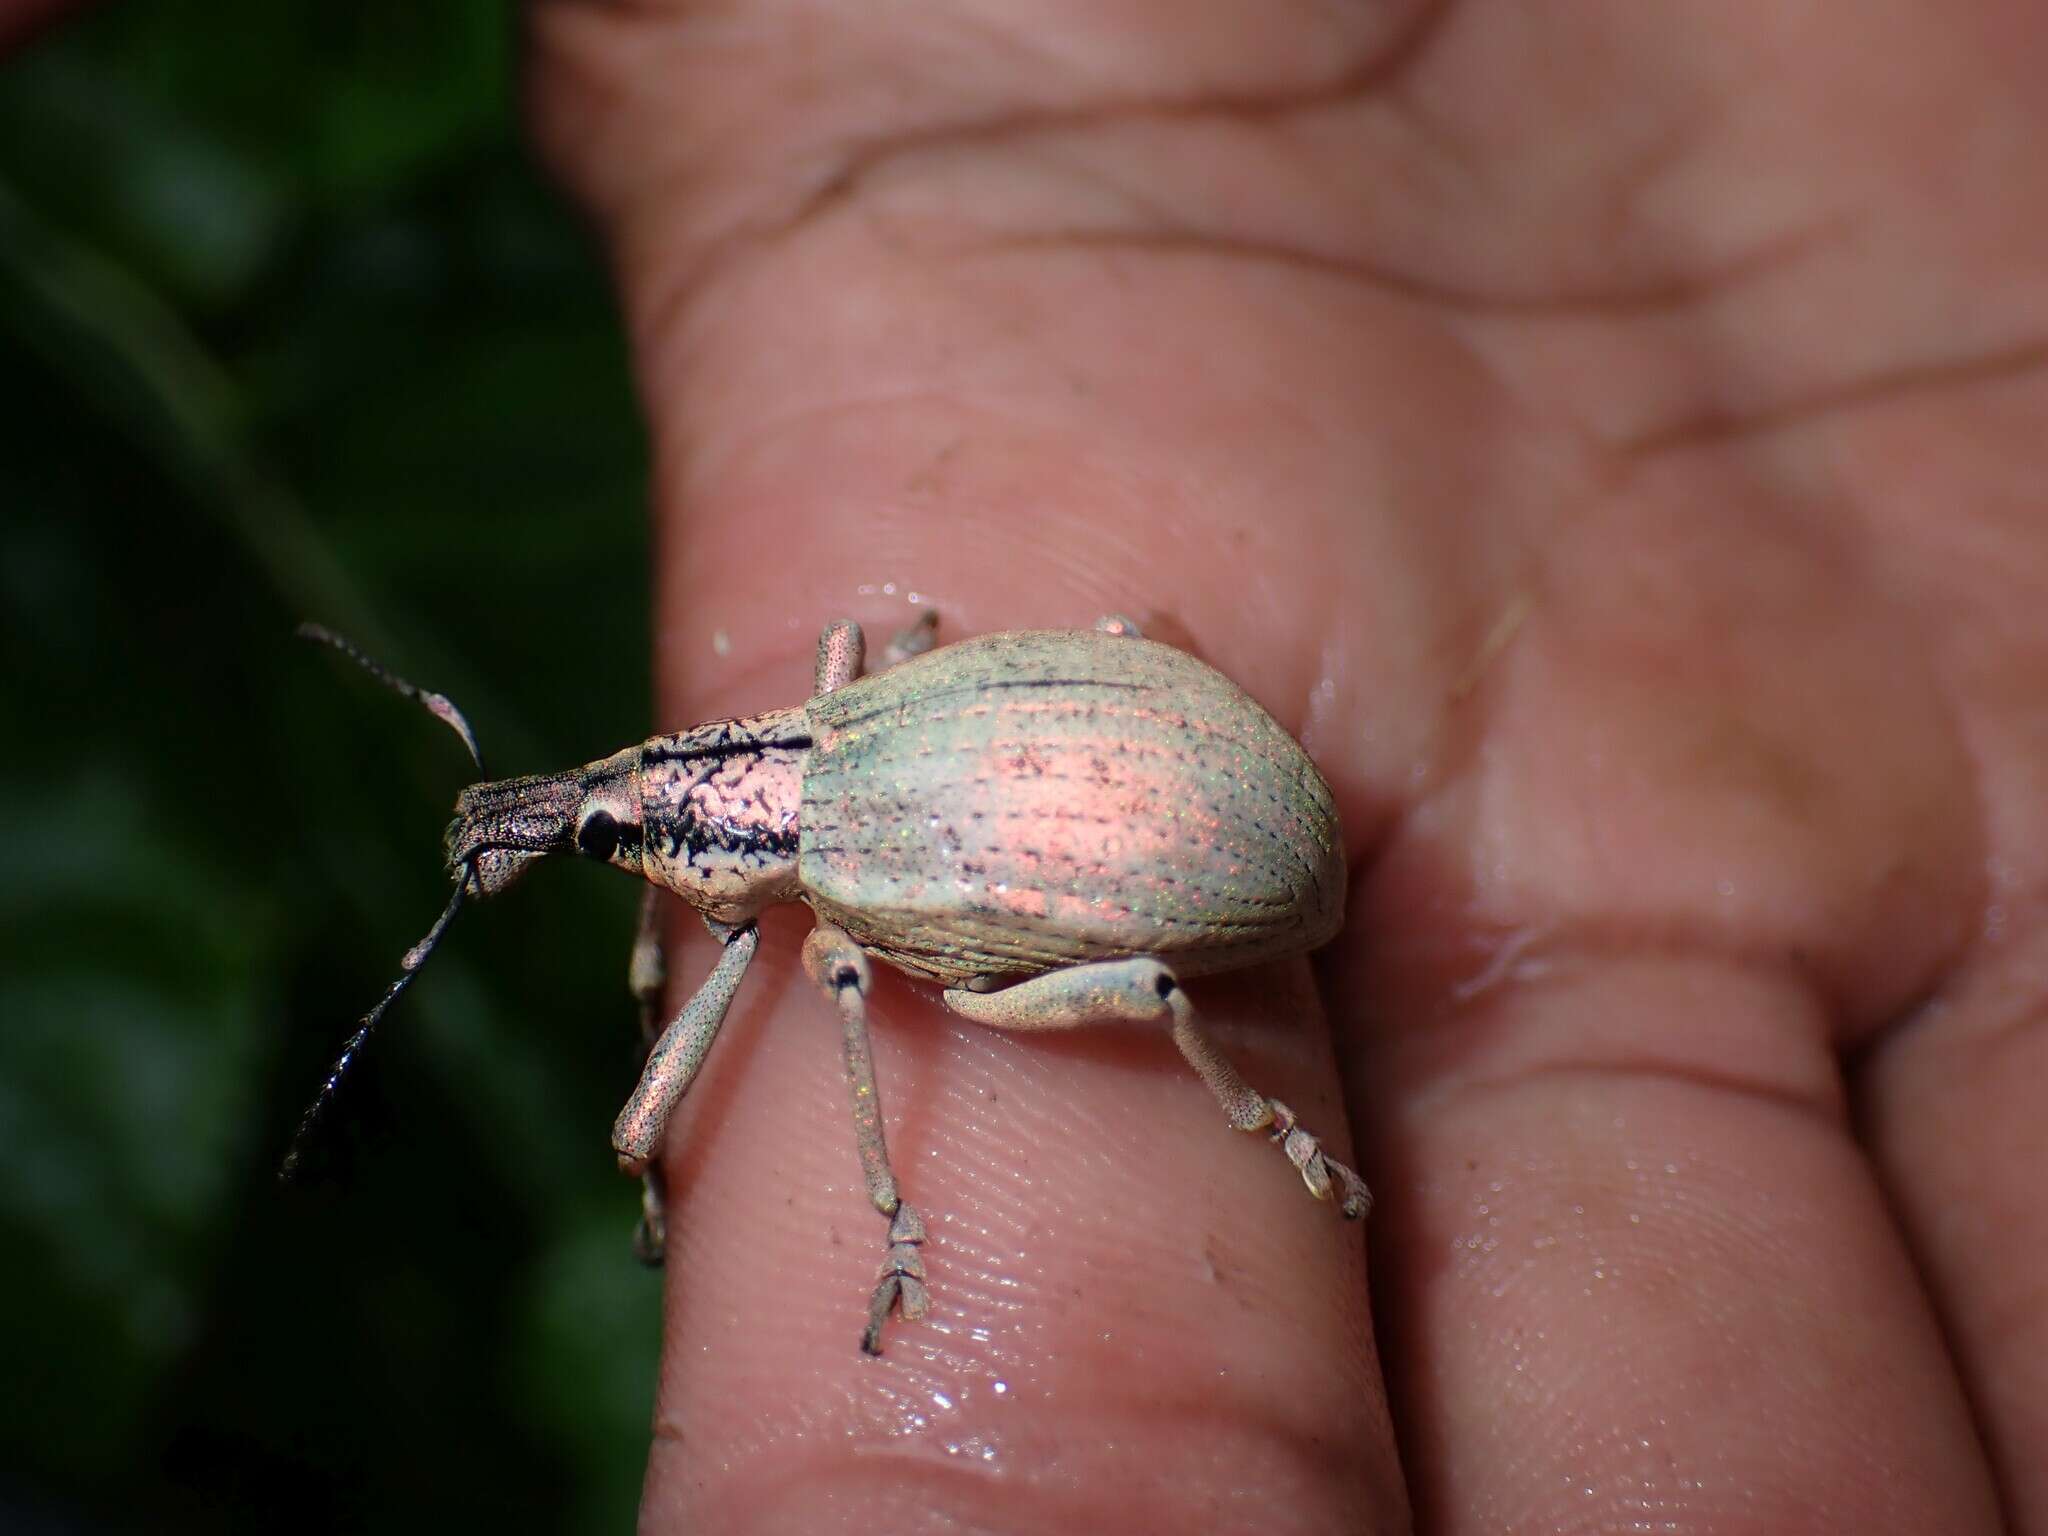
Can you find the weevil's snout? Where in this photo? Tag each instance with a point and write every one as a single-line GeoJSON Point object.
{"type": "Point", "coordinates": [500, 828]}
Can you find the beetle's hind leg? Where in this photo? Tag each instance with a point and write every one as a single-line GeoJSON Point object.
{"type": "Point", "coordinates": [1145, 988]}
{"type": "Point", "coordinates": [835, 963]}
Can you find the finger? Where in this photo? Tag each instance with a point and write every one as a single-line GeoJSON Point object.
{"type": "Point", "coordinates": [1188, 1332]}
{"type": "Point", "coordinates": [1952, 1107]}
{"type": "Point", "coordinates": [1133, 1307]}
{"type": "Point", "coordinates": [850, 423]}
{"type": "Point", "coordinates": [1950, 1102]}
{"type": "Point", "coordinates": [1637, 1272]}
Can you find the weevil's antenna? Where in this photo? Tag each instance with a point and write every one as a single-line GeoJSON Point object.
{"type": "Point", "coordinates": [438, 703]}
{"type": "Point", "coordinates": [410, 967]}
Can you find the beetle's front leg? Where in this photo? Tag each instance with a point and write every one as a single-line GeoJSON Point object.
{"type": "Point", "coordinates": [646, 979]}
{"type": "Point", "coordinates": [676, 1056]}
{"type": "Point", "coordinates": [1145, 988]}
{"type": "Point", "coordinates": [842, 650]}
{"type": "Point", "coordinates": [836, 964]}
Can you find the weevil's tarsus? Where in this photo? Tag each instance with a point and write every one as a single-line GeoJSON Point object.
{"type": "Point", "coordinates": [836, 964]}
{"type": "Point", "coordinates": [650, 1232]}
{"type": "Point", "coordinates": [1325, 1177]}
{"type": "Point", "coordinates": [409, 968]}
{"type": "Point", "coordinates": [439, 704]}
{"type": "Point", "coordinates": [673, 1063]}
{"type": "Point", "coordinates": [1146, 988]}
{"type": "Point", "coordinates": [901, 1286]}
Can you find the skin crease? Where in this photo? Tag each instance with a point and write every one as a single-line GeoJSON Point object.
{"type": "Point", "coordinates": [1611, 438]}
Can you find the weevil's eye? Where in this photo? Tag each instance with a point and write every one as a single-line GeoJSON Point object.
{"type": "Point", "coordinates": [598, 836]}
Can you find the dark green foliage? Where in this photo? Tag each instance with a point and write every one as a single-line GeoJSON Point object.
{"type": "Point", "coordinates": [290, 329]}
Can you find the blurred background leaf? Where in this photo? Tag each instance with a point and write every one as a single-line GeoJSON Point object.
{"type": "Point", "coordinates": [290, 329]}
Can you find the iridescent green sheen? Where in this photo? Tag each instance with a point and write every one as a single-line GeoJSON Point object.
{"type": "Point", "coordinates": [1025, 801]}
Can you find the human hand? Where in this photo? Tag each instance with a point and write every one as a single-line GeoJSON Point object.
{"type": "Point", "coordinates": [1611, 438]}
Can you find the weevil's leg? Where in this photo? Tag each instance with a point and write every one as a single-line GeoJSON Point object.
{"type": "Point", "coordinates": [841, 649]}
{"type": "Point", "coordinates": [836, 964]}
{"type": "Point", "coordinates": [1117, 624]}
{"type": "Point", "coordinates": [637, 1133]}
{"type": "Point", "coordinates": [920, 637]}
{"type": "Point", "coordinates": [1145, 988]}
{"type": "Point", "coordinates": [646, 977]}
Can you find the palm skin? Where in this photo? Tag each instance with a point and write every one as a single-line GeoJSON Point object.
{"type": "Point", "coordinates": [1612, 438]}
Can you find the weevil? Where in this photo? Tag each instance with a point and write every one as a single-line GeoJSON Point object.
{"type": "Point", "coordinates": [1056, 827]}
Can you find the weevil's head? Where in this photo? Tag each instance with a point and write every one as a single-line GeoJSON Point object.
{"type": "Point", "coordinates": [500, 828]}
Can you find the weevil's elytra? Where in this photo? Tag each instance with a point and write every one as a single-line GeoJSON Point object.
{"type": "Point", "coordinates": [1056, 826]}
{"type": "Point", "coordinates": [1023, 802]}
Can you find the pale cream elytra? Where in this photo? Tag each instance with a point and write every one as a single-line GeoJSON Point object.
{"type": "Point", "coordinates": [1055, 826]}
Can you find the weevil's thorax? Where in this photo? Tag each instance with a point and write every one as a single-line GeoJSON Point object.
{"type": "Point", "coordinates": [720, 808]}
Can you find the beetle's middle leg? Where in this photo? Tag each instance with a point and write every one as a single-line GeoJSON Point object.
{"type": "Point", "coordinates": [1145, 988]}
{"type": "Point", "coordinates": [835, 963]}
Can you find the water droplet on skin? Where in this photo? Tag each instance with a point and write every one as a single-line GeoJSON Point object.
{"type": "Point", "coordinates": [721, 643]}
{"type": "Point", "coordinates": [1001, 1387]}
